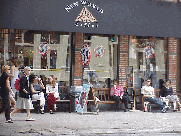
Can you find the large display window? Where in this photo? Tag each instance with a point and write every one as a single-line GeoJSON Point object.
{"type": "Point", "coordinates": [100, 59]}
{"type": "Point", "coordinates": [46, 52]}
{"type": "Point", "coordinates": [148, 57]}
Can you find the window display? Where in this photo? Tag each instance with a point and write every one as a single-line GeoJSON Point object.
{"type": "Point", "coordinates": [147, 56]}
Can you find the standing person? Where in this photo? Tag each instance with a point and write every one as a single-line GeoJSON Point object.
{"type": "Point", "coordinates": [5, 89]}
{"type": "Point", "coordinates": [118, 95]}
{"type": "Point", "coordinates": [52, 91]}
{"type": "Point", "coordinates": [167, 93]}
{"type": "Point", "coordinates": [38, 86]}
{"type": "Point", "coordinates": [149, 94]}
{"type": "Point", "coordinates": [24, 101]}
{"type": "Point", "coordinates": [14, 75]}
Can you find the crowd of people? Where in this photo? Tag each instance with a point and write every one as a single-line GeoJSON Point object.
{"type": "Point", "coordinates": [30, 88]}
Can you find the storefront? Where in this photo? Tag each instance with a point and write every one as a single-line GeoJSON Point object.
{"type": "Point", "coordinates": [104, 38]}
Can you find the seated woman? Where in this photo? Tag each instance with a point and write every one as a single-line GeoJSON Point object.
{"type": "Point", "coordinates": [38, 86]}
{"type": "Point", "coordinates": [167, 93]}
{"type": "Point", "coordinates": [52, 91]}
{"type": "Point", "coordinates": [118, 94]}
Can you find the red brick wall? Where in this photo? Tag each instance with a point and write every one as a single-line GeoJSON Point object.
{"type": "Point", "coordinates": [123, 59]}
{"type": "Point", "coordinates": [174, 63]}
{"type": "Point", "coordinates": [78, 63]}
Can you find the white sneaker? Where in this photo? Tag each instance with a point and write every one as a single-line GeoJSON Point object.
{"type": "Point", "coordinates": [97, 99]}
{"type": "Point", "coordinates": [30, 119]}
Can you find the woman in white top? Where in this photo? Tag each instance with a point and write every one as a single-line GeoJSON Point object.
{"type": "Point", "coordinates": [14, 75]}
{"type": "Point", "coordinates": [52, 91]}
{"type": "Point", "coordinates": [38, 86]}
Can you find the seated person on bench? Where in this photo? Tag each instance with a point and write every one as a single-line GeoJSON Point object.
{"type": "Point", "coordinates": [38, 86]}
{"type": "Point", "coordinates": [149, 95]}
{"type": "Point", "coordinates": [118, 94]}
{"type": "Point", "coordinates": [52, 91]}
{"type": "Point", "coordinates": [167, 93]}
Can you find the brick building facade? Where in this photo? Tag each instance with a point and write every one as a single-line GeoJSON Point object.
{"type": "Point", "coordinates": [173, 60]}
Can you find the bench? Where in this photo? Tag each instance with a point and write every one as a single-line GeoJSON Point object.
{"type": "Point", "coordinates": [144, 104]}
{"type": "Point", "coordinates": [104, 96]}
{"type": "Point", "coordinates": [62, 89]}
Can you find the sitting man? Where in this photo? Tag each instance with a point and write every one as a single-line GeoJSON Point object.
{"type": "Point", "coordinates": [149, 95]}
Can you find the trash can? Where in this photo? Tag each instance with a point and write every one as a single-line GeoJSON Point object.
{"type": "Point", "coordinates": [75, 92]}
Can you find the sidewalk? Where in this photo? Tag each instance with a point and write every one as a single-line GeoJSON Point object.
{"type": "Point", "coordinates": [106, 123]}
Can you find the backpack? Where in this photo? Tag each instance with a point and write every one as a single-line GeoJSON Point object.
{"type": "Point", "coordinates": [17, 84]}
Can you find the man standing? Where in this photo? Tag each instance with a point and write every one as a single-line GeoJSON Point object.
{"type": "Point", "coordinates": [149, 95]}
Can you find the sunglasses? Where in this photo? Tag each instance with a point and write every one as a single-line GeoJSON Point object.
{"type": "Point", "coordinates": [148, 81]}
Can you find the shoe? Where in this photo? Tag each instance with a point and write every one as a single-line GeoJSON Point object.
{"type": "Point", "coordinates": [41, 112]}
{"type": "Point", "coordinates": [163, 110]}
{"type": "Point", "coordinates": [116, 110]}
{"type": "Point", "coordinates": [51, 112]}
{"type": "Point", "coordinates": [175, 110]}
{"type": "Point", "coordinates": [125, 110]}
{"type": "Point", "coordinates": [30, 119]}
{"type": "Point", "coordinates": [9, 121]}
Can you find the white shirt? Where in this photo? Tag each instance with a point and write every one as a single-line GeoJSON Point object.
{"type": "Point", "coordinates": [148, 91]}
{"type": "Point", "coordinates": [50, 89]}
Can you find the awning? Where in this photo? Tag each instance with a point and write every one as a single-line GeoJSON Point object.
{"type": "Point", "coordinates": [122, 17]}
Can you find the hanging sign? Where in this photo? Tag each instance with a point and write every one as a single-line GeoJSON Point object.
{"type": "Point", "coordinates": [85, 54]}
{"type": "Point", "coordinates": [99, 51]}
{"type": "Point", "coordinates": [149, 52]}
{"type": "Point", "coordinates": [43, 48]}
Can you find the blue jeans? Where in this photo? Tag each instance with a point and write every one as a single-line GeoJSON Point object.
{"type": "Point", "coordinates": [155, 101]}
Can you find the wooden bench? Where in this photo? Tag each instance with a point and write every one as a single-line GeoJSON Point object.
{"type": "Point", "coordinates": [62, 89]}
{"type": "Point", "coordinates": [104, 96]}
{"type": "Point", "coordinates": [140, 97]}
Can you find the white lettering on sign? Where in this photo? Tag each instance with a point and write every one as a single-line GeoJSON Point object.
{"type": "Point", "coordinates": [71, 6]}
{"type": "Point", "coordinates": [88, 25]}
{"type": "Point", "coordinates": [94, 6]}
{"type": "Point", "coordinates": [84, 2]}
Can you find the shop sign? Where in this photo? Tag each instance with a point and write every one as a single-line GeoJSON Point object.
{"type": "Point", "coordinates": [149, 52]}
{"type": "Point", "coordinates": [85, 18]}
{"type": "Point", "coordinates": [85, 54]}
{"type": "Point", "coordinates": [43, 48]}
{"type": "Point", "coordinates": [99, 51]}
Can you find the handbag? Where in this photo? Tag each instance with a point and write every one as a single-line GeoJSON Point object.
{"type": "Point", "coordinates": [130, 98]}
{"type": "Point", "coordinates": [63, 96]}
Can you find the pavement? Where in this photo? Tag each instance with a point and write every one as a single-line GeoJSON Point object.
{"type": "Point", "coordinates": [107, 123]}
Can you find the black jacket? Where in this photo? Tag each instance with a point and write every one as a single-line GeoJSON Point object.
{"type": "Point", "coordinates": [4, 90]}
{"type": "Point", "coordinates": [24, 85]}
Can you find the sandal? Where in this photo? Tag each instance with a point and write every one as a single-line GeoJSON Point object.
{"type": "Point", "coordinates": [51, 112]}
{"type": "Point", "coordinates": [9, 121]}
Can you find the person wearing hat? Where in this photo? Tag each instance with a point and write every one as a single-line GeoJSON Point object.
{"type": "Point", "coordinates": [24, 101]}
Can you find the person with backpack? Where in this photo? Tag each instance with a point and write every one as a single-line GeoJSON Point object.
{"type": "Point", "coordinates": [5, 89]}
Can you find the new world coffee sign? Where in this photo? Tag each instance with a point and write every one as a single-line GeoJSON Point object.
{"type": "Point", "coordinates": [85, 18]}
